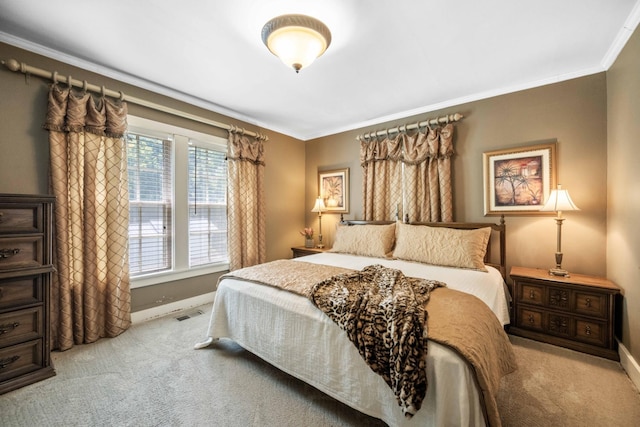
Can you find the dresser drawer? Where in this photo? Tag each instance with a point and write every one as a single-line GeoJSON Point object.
{"type": "Point", "coordinates": [591, 331]}
{"type": "Point", "coordinates": [531, 293]}
{"type": "Point", "coordinates": [559, 298]}
{"type": "Point", "coordinates": [21, 325]}
{"type": "Point", "coordinates": [19, 291]}
{"type": "Point", "coordinates": [20, 218]}
{"type": "Point", "coordinates": [530, 318]}
{"type": "Point", "coordinates": [591, 304]}
{"type": "Point", "coordinates": [559, 325]}
{"type": "Point", "coordinates": [20, 359]}
{"type": "Point", "coordinates": [21, 252]}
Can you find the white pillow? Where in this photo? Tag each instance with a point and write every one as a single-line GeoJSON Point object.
{"type": "Point", "coordinates": [366, 240]}
{"type": "Point", "coordinates": [442, 246]}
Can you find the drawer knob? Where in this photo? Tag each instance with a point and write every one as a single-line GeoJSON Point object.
{"type": "Point", "coordinates": [588, 302]}
{"type": "Point", "coordinates": [531, 319]}
{"type": "Point", "coordinates": [8, 361]}
{"type": "Point", "coordinates": [532, 295]}
{"type": "Point", "coordinates": [8, 327]}
{"type": "Point", "coordinates": [587, 330]}
{"type": "Point", "coordinates": [6, 253]}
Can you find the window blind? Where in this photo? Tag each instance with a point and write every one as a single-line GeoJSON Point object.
{"type": "Point", "coordinates": [150, 204]}
{"type": "Point", "coordinates": [207, 206]}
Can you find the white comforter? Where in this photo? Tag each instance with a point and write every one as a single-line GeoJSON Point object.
{"type": "Point", "coordinates": [287, 331]}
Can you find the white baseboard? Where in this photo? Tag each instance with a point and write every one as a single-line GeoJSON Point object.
{"type": "Point", "coordinates": [171, 308]}
{"type": "Point", "coordinates": [630, 365]}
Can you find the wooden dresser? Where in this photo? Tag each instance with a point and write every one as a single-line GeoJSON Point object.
{"type": "Point", "coordinates": [25, 276]}
{"type": "Point", "coordinates": [577, 312]}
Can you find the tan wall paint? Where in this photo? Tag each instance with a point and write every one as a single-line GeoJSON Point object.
{"type": "Point", "coordinates": [573, 112]}
{"type": "Point", "coordinates": [623, 231]}
{"type": "Point", "coordinates": [24, 159]}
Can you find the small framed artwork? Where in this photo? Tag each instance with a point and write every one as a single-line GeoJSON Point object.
{"type": "Point", "coordinates": [518, 181]}
{"type": "Point", "coordinates": [333, 187]}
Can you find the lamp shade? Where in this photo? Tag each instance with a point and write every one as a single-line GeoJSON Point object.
{"type": "Point", "coordinates": [559, 201]}
{"type": "Point", "coordinates": [296, 39]}
{"type": "Point", "coordinates": [319, 206]}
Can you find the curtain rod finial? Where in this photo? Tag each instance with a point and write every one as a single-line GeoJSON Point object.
{"type": "Point", "coordinates": [11, 64]}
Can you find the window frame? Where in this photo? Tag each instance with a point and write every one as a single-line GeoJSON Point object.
{"type": "Point", "coordinates": [181, 138]}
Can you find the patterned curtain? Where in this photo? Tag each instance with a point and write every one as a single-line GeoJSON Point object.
{"type": "Point", "coordinates": [90, 287]}
{"type": "Point", "coordinates": [245, 204]}
{"type": "Point", "coordinates": [409, 174]}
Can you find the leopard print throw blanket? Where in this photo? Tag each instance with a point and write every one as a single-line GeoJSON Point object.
{"type": "Point", "coordinates": [383, 313]}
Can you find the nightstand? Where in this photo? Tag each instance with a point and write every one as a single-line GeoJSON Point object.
{"type": "Point", "coordinates": [576, 312]}
{"type": "Point", "coordinates": [303, 250]}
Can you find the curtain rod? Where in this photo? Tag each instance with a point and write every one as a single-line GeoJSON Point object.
{"type": "Point", "coordinates": [15, 65]}
{"type": "Point", "coordinates": [403, 128]}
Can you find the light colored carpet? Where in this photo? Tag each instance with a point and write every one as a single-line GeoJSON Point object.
{"type": "Point", "coordinates": [151, 376]}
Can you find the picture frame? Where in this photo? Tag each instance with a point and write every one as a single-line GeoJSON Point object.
{"type": "Point", "coordinates": [333, 188]}
{"type": "Point", "coordinates": [518, 181]}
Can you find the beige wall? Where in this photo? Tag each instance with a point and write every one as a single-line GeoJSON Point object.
{"type": "Point", "coordinates": [623, 231]}
{"type": "Point", "coordinates": [571, 112]}
{"type": "Point", "coordinates": [24, 159]}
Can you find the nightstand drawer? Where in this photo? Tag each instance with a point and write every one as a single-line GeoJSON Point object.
{"type": "Point", "coordinates": [559, 298]}
{"type": "Point", "coordinates": [591, 332]}
{"type": "Point", "coordinates": [532, 294]}
{"type": "Point", "coordinates": [591, 304]}
{"type": "Point", "coordinates": [531, 319]}
{"type": "Point", "coordinates": [558, 324]}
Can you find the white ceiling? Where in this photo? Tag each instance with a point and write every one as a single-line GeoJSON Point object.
{"type": "Point", "coordinates": [388, 58]}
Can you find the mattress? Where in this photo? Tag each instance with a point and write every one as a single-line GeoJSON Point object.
{"type": "Point", "coordinates": [287, 331]}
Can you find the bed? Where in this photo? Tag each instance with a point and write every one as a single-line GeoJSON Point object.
{"type": "Point", "coordinates": [288, 331]}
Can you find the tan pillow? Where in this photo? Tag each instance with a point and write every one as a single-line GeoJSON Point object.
{"type": "Point", "coordinates": [442, 246]}
{"type": "Point", "coordinates": [365, 240]}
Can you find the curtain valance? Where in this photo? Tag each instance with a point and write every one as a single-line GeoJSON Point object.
{"type": "Point", "coordinates": [413, 149]}
{"type": "Point", "coordinates": [245, 147]}
{"type": "Point", "coordinates": [71, 111]}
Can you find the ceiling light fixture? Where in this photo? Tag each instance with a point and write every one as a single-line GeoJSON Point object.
{"type": "Point", "coordinates": [296, 39]}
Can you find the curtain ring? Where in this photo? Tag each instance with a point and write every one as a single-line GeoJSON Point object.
{"type": "Point", "coordinates": [121, 95]}
{"type": "Point", "coordinates": [102, 90]}
{"type": "Point", "coordinates": [54, 77]}
{"type": "Point", "coordinates": [69, 79]}
{"type": "Point", "coordinates": [84, 86]}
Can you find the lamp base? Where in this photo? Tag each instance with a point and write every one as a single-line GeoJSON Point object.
{"type": "Point", "coordinates": [320, 246]}
{"type": "Point", "coordinates": [558, 272]}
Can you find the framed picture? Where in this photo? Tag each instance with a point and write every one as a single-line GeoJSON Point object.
{"type": "Point", "coordinates": [333, 187]}
{"type": "Point", "coordinates": [518, 181]}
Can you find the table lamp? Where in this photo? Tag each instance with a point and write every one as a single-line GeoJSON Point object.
{"type": "Point", "coordinates": [319, 207]}
{"type": "Point", "coordinates": [559, 201]}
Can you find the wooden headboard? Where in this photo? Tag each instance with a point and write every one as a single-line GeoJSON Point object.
{"type": "Point", "coordinates": [497, 237]}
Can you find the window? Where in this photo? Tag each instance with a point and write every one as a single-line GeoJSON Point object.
{"type": "Point", "coordinates": [177, 202]}
{"type": "Point", "coordinates": [150, 204]}
{"type": "Point", "coordinates": [207, 206]}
